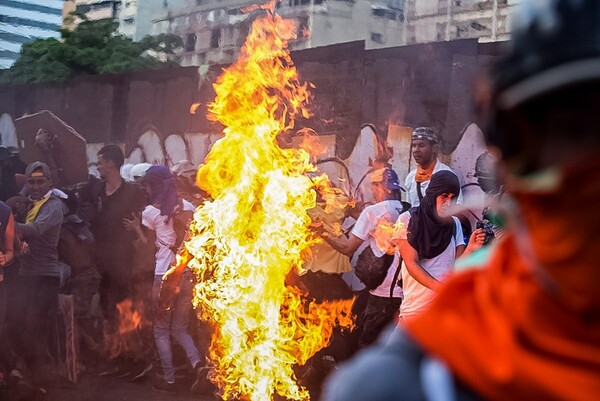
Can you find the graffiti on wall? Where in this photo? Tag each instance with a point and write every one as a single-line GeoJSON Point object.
{"type": "Point", "coordinates": [350, 174]}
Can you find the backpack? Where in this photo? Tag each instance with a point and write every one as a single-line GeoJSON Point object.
{"type": "Point", "coordinates": [371, 269]}
{"type": "Point", "coordinates": [181, 224]}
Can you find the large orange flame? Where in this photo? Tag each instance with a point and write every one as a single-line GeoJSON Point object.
{"type": "Point", "coordinates": [245, 243]}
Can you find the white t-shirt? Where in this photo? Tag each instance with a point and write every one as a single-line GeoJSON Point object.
{"type": "Point", "coordinates": [165, 236]}
{"type": "Point", "coordinates": [416, 295]}
{"type": "Point", "coordinates": [412, 192]}
{"type": "Point", "coordinates": [366, 225]}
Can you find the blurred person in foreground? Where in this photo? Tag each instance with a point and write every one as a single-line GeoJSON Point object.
{"type": "Point", "coordinates": [526, 325]}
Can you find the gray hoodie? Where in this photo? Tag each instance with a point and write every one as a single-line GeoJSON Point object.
{"type": "Point", "coordinates": [42, 238]}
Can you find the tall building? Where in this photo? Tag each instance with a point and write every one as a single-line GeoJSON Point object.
{"type": "Point", "coordinates": [22, 21]}
{"type": "Point", "coordinates": [92, 9]}
{"type": "Point", "coordinates": [443, 20]}
{"type": "Point", "coordinates": [135, 16]}
{"type": "Point", "coordinates": [214, 30]}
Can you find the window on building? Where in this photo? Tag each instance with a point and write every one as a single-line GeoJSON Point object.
{"type": "Point", "coordinates": [303, 30]}
{"type": "Point", "coordinates": [396, 4]}
{"type": "Point", "coordinates": [477, 26]}
{"type": "Point", "coordinates": [129, 21]}
{"type": "Point", "coordinates": [83, 8]}
{"type": "Point", "coordinates": [215, 38]}
{"type": "Point", "coordinates": [377, 37]}
{"type": "Point", "coordinates": [298, 2]}
{"type": "Point", "coordinates": [384, 12]}
{"type": "Point", "coordinates": [190, 42]}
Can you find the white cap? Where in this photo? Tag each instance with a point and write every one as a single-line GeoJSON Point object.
{"type": "Point", "coordinates": [139, 170]}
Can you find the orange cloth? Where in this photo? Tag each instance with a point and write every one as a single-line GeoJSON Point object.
{"type": "Point", "coordinates": [528, 328]}
{"type": "Point", "coordinates": [424, 174]}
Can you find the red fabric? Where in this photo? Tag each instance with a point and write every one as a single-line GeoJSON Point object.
{"type": "Point", "coordinates": [529, 328]}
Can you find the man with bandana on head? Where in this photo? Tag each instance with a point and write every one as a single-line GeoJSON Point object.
{"type": "Point", "coordinates": [425, 149]}
{"type": "Point", "coordinates": [524, 322]}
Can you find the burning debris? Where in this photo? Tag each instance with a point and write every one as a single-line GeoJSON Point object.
{"type": "Point", "coordinates": [246, 243]}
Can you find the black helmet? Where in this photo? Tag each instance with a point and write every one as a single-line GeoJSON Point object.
{"type": "Point", "coordinates": [555, 50]}
{"type": "Point", "coordinates": [555, 44]}
{"type": "Point", "coordinates": [486, 171]}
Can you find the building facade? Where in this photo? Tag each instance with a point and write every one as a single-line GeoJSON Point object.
{"type": "Point", "coordinates": [92, 9]}
{"type": "Point", "coordinates": [22, 21]}
{"type": "Point", "coordinates": [214, 30]}
{"type": "Point", "coordinates": [444, 20]}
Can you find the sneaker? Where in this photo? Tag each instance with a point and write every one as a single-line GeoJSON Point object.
{"type": "Point", "coordinates": [202, 385]}
{"type": "Point", "coordinates": [164, 387]}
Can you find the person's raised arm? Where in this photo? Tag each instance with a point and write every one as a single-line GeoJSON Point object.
{"type": "Point", "coordinates": [475, 242]}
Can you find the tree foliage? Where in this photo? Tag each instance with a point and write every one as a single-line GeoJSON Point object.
{"type": "Point", "coordinates": [92, 48]}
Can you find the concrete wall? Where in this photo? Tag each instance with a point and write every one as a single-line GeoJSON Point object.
{"type": "Point", "coordinates": [392, 90]}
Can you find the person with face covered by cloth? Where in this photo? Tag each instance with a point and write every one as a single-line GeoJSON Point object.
{"type": "Point", "coordinates": [431, 242]}
{"type": "Point", "coordinates": [39, 273]}
{"type": "Point", "coordinates": [159, 217]}
{"type": "Point", "coordinates": [523, 323]}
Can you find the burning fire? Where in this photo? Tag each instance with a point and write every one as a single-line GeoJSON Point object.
{"type": "Point", "coordinates": [126, 338]}
{"type": "Point", "coordinates": [247, 241]}
{"type": "Point", "coordinates": [386, 235]}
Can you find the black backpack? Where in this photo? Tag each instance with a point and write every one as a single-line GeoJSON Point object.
{"type": "Point", "coordinates": [181, 224]}
{"type": "Point", "coordinates": [371, 269]}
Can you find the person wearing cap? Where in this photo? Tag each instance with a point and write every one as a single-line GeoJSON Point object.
{"type": "Point", "coordinates": [113, 201]}
{"type": "Point", "coordinates": [432, 239]}
{"type": "Point", "coordinates": [138, 171]}
{"type": "Point", "coordinates": [523, 322]}
{"type": "Point", "coordinates": [425, 150]}
{"type": "Point", "coordinates": [39, 271]}
{"type": "Point", "coordinates": [383, 301]}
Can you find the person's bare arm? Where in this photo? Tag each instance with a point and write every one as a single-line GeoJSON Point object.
{"type": "Point", "coordinates": [411, 260]}
{"type": "Point", "coordinates": [343, 244]}
{"type": "Point", "coordinates": [475, 243]}
{"type": "Point", "coordinates": [9, 239]}
{"type": "Point", "coordinates": [135, 225]}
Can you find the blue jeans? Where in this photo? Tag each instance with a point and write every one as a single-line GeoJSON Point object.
{"type": "Point", "coordinates": [174, 323]}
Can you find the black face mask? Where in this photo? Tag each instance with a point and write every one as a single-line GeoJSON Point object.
{"type": "Point", "coordinates": [427, 233]}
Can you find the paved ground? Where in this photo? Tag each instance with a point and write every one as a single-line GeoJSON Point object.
{"type": "Point", "coordinates": [92, 386]}
{"type": "Point", "coordinates": [97, 388]}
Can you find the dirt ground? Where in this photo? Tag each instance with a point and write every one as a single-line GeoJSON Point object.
{"type": "Point", "coordinates": [98, 388]}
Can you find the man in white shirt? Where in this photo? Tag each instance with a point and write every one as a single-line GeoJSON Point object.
{"type": "Point", "coordinates": [384, 300]}
{"type": "Point", "coordinates": [425, 150]}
